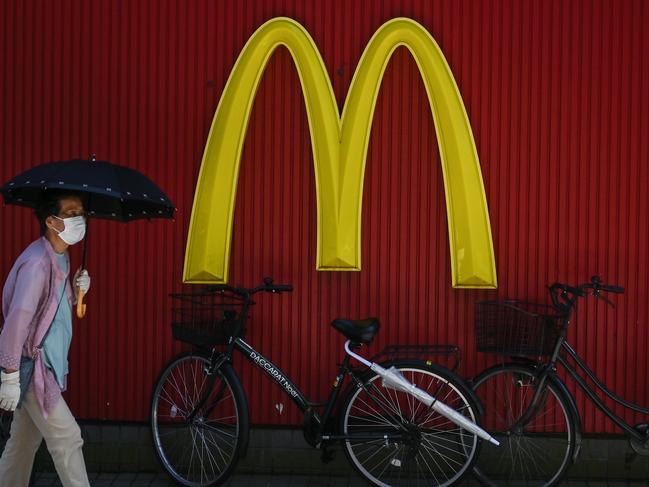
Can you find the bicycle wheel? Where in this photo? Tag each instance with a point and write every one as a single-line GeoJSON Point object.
{"type": "Point", "coordinates": [535, 454]}
{"type": "Point", "coordinates": [425, 448]}
{"type": "Point", "coordinates": [203, 450]}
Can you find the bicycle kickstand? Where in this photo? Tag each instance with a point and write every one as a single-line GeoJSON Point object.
{"type": "Point", "coordinates": [327, 454]}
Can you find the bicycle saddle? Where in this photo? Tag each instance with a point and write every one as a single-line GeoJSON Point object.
{"type": "Point", "coordinates": [361, 331]}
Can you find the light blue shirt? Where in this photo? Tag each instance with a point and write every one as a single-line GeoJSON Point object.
{"type": "Point", "coordinates": [57, 343]}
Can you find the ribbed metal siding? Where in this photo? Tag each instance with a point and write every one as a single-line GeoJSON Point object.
{"type": "Point", "coordinates": [556, 93]}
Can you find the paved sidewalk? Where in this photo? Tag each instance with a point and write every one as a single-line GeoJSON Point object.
{"type": "Point", "coordinates": [161, 480]}
{"type": "Point", "coordinates": [49, 479]}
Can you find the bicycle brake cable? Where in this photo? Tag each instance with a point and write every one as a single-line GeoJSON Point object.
{"type": "Point", "coordinates": [605, 299]}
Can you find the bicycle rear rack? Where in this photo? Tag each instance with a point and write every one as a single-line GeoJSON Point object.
{"type": "Point", "coordinates": [419, 352]}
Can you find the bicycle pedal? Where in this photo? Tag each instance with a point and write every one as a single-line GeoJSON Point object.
{"type": "Point", "coordinates": [640, 447]}
{"type": "Point", "coordinates": [327, 455]}
{"type": "Point", "coordinates": [312, 428]}
{"type": "Point", "coordinates": [629, 458]}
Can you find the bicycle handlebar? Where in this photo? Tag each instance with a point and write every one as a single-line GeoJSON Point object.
{"type": "Point", "coordinates": [598, 285]}
{"type": "Point", "coordinates": [612, 289]}
{"type": "Point", "coordinates": [267, 286]}
{"type": "Point", "coordinates": [569, 294]}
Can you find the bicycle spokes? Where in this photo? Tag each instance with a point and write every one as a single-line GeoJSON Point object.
{"type": "Point", "coordinates": [196, 422]}
{"type": "Point", "coordinates": [394, 439]}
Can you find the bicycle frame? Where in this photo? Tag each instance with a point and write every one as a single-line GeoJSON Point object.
{"type": "Point", "coordinates": [590, 392]}
{"type": "Point", "coordinates": [275, 373]}
{"type": "Point", "coordinates": [549, 367]}
{"type": "Point", "coordinates": [294, 392]}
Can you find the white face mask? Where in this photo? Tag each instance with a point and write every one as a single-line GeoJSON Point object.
{"type": "Point", "coordinates": [74, 230]}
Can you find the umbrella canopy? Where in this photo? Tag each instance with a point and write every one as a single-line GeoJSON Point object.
{"type": "Point", "coordinates": [114, 192]}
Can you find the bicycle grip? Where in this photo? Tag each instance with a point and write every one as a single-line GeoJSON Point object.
{"type": "Point", "coordinates": [612, 289]}
{"type": "Point", "coordinates": [278, 288]}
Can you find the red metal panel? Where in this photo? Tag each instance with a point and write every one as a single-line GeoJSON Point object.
{"type": "Point", "coordinates": [555, 93]}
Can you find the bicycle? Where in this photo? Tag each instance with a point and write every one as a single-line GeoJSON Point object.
{"type": "Point", "coordinates": [527, 405]}
{"type": "Point", "coordinates": [390, 418]}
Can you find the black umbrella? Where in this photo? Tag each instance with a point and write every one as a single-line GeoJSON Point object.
{"type": "Point", "coordinates": [112, 192]}
{"type": "Point", "coordinates": [115, 192]}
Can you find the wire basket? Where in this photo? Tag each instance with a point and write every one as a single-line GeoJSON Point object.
{"type": "Point", "coordinates": [516, 328]}
{"type": "Point", "coordinates": [207, 317]}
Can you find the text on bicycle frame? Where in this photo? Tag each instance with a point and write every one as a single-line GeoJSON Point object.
{"type": "Point", "coordinates": [277, 375]}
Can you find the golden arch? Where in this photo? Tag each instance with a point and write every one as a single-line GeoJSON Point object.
{"type": "Point", "coordinates": [339, 153]}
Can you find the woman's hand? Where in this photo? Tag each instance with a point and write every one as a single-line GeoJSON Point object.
{"type": "Point", "coordinates": [81, 281]}
{"type": "Point", "coordinates": [9, 390]}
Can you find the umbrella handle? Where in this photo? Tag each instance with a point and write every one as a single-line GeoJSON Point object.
{"type": "Point", "coordinates": [81, 307]}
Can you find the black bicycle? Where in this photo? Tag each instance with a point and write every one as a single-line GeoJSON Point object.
{"type": "Point", "coordinates": [397, 420]}
{"type": "Point", "coordinates": [528, 407]}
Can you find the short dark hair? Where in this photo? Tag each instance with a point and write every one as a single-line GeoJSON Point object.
{"type": "Point", "coordinates": [50, 204]}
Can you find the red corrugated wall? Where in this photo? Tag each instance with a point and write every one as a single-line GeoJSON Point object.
{"type": "Point", "coordinates": [557, 96]}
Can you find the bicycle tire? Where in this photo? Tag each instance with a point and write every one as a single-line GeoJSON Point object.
{"type": "Point", "coordinates": [541, 452]}
{"type": "Point", "coordinates": [433, 450]}
{"type": "Point", "coordinates": [203, 451]}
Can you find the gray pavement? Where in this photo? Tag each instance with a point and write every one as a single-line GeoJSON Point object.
{"type": "Point", "coordinates": [126, 448]}
{"type": "Point", "coordinates": [160, 480]}
{"type": "Point", "coordinates": [50, 479]}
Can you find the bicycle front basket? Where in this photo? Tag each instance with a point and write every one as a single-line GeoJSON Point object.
{"type": "Point", "coordinates": [516, 328]}
{"type": "Point", "coordinates": [206, 318]}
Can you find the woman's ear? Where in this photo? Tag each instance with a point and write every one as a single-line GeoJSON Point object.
{"type": "Point", "coordinates": [49, 222]}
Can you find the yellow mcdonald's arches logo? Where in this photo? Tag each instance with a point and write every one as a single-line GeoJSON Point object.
{"type": "Point", "coordinates": [339, 153]}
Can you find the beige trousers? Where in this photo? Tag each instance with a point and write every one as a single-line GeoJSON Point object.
{"type": "Point", "coordinates": [62, 437]}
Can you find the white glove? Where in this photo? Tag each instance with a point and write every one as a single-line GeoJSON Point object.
{"type": "Point", "coordinates": [9, 390]}
{"type": "Point", "coordinates": [82, 280]}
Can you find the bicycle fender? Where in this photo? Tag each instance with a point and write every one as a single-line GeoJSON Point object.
{"type": "Point", "coordinates": [575, 413]}
{"type": "Point", "coordinates": [364, 375]}
{"type": "Point", "coordinates": [552, 376]}
{"type": "Point", "coordinates": [471, 382]}
{"type": "Point", "coordinates": [243, 452]}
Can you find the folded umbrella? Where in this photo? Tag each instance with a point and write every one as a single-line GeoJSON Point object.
{"type": "Point", "coordinates": [111, 192]}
